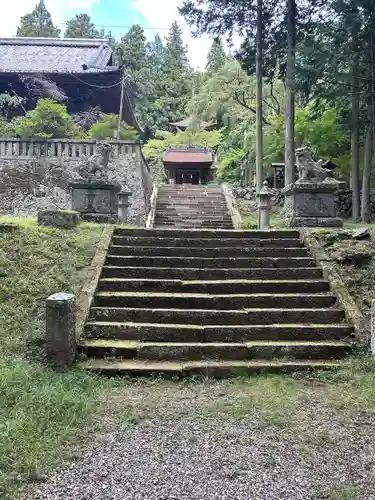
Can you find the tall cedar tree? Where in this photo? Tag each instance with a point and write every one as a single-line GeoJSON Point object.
{"type": "Point", "coordinates": [81, 26]}
{"type": "Point", "coordinates": [176, 81]}
{"type": "Point", "coordinates": [216, 57]}
{"type": "Point", "coordinates": [38, 23]}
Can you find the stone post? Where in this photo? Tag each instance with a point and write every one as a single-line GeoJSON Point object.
{"type": "Point", "coordinates": [264, 207]}
{"type": "Point", "coordinates": [123, 205]}
{"type": "Point", "coordinates": [61, 329]}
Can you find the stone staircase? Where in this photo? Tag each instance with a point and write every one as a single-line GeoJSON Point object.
{"type": "Point", "coordinates": [214, 302]}
{"type": "Point", "coordinates": [191, 206]}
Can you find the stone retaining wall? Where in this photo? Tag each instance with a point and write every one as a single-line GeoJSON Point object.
{"type": "Point", "coordinates": [30, 185]}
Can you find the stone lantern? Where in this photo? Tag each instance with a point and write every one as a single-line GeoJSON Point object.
{"type": "Point", "coordinates": [123, 205]}
{"type": "Point", "coordinates": [264, 207]}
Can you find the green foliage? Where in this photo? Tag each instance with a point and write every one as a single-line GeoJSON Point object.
{"type": "Point", "coordinates": [47, 121]}
{"type": "Point", "coordinates": [216, 57]}
{"type": "Point", "coordinates": [38, 23]}
{"type": "Point", "coordinates": [106, 128]}
{"type": "Point", "coordinates": [81, 26]}
{"type": "Point", "coordinates": [9, 103]}
{"type": "Point", "coordinates": [154, 148]}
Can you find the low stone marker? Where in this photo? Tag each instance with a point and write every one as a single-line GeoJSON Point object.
{"type": "Point", "coordinates": [61, 343]}
{"type": "Point", "coordinates": [63, 219]}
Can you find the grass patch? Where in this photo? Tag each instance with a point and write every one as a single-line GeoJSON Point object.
{"type": "Point", "coordinates": [39, 409]}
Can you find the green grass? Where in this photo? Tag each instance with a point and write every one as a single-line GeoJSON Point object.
{"type": "Point", "coordinates": [39, 409]}
{"type": "Point", "coordinates": [251, 221]}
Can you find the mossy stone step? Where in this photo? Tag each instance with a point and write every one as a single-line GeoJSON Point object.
{"type": "Point", "coordinates": [207, 252]}
{"type": "Point", "coordinates": [157, 332]}
{"type": "Point", "coordinates": [113, 271]}
{"type": "Point", "coordinates": [205, 367]}
{"type": "Point", "coordinates": [207, 262]}
{"type": "Point", "coordinates": [195, 351]}
{"type": "Point", "coordinates": [217, 317]}
{"type": "Point", "coordinates": [208, 301]}
{"type": "Point", "coordinates": [213, 287]}
{"type": "Point", "coordinates": [144, 241]}
{"type": "Point", "coordinates": [206, 233]}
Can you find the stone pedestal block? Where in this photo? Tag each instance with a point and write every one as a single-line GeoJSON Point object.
{"type": "Point", "coordinates": [61, 329]}
{"type": "Point", "coordinates": [63, 219]}
{"type": "Point", "coordinates": [96, 201]}
{"type": "Point", "coordinates": [311, 205]}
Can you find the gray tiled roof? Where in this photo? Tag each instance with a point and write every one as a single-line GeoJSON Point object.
{"type": "Point", "coordinates": [54, 55]}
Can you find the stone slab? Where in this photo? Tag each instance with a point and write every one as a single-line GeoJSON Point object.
{"type": "Point", "coordinates": [63, 219]}
{"type": "Point", "coordinates": [314, 222]}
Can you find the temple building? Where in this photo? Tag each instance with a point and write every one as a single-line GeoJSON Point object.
{"type": "Point", "coordinates": [77, 72]}
{"type": "Point", "coordinates": [191, 165]}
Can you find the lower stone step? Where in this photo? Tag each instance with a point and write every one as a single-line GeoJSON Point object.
{"type": "Point", "coordinates": [208, 252]}
{"type": "Point", "coordinates": [195, 351]}
{"type": "Point", "coordinates": [206, 367]}
{"type": "Point", "coordinates": [217, 317]}
{"type": "Point", "coordinates": [207, 263]}
{"type": "Point", "coordinates": [208, 302]}
{"type": "Point", "coordinates": [158, 332]}
{"type": "Point", "coordinates": [144, 241]}
{"type": "Point", "coordinates": [212, 287]}
{"type": "Point", "coordinates": [206, 233]}
{"type": "Point", "coordinates": [211, 274]}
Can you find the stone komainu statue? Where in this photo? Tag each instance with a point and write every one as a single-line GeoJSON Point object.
{"type": "Point", "coordinates": [96, 165]}
{"type": "Point", "coordinates": [310, 171]}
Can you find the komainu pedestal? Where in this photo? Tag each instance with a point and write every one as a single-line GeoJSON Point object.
{"type": "Point", "coordinates": [310, 201]}
{"type": "Point", "coordinates": [94, 196]}
{"type": "Point", "coordinates": [96, 200]}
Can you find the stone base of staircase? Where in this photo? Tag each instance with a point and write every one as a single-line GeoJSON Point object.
{"type": "Point", "coordinates": [213, 302]}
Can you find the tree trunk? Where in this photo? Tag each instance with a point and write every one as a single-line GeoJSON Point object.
{"type": "Point", "coordinates": [355, 139]}
{"type": "Point", "coordinates": [290, 93]}
{"type": "Point", "coordinates": [355, 146]}
{"type": "Point", "coordinates": [259, 97]}
{"type": "Point", "coordinates": [367, 164]}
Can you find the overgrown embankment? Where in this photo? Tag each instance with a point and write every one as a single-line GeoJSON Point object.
{"type": "Point", "coordinates": [39, 409]}
{"type": "Point", "coordinates": [352, 253]}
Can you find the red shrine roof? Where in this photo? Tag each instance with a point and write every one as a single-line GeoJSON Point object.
{"type": "Point", "coordinates": [188, 155]}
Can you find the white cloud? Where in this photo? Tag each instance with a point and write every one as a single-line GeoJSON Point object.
{"type": "Point", "coordinates": [162, 14]}
{"type": "Point", "coordinates": [59, 10]}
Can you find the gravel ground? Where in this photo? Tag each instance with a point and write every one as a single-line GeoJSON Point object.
{"type": "Point", "coordinates": [201, 442]}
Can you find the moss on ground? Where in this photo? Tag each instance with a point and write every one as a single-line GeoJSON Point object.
{"type": "Point", "coordinates": [39, 409]}
{"type": "Point", "coordinates": [355, 262]}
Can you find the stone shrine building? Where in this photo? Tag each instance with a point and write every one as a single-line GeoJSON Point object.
{"type": "Point", "coordinates": [190, 165]}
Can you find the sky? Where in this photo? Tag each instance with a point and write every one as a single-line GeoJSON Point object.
{"type": "Point", "coordinates": [155, 16]}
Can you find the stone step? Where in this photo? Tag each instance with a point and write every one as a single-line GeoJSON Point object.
{"type": "Point", "coordinates": [192, 225]}
{"type": "Point", "coordinates": [159, 300]}
{"type": "Point", "coordinates": [196, 351]}
{"type": "Point", "coordinates": [206, 233]}
{"type": "Point", "coordinates": [204, 367]}
{"type": "Point", "coordinates": [208, 252]}
{"type": "Point", "coordinates": [157, 332]}
{"type": "Point", "coordinates": [144, 241]}
{"type": "Point", "coordinates": [211, 274]}
{"type": "Point", "coordinates": [217, 317]}
{"type": "Point", "coordinates": [207, 263]}
{"type": "Point", "coordinates": [192, 219]}
{"type": "Point", "coordinates": [213, 287]}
